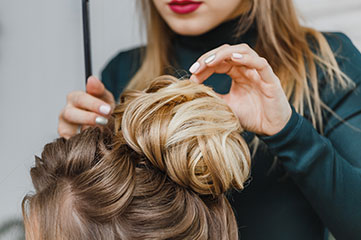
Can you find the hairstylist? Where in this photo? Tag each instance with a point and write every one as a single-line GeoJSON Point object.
{"type": "Point", "coordinates": [295, 90]}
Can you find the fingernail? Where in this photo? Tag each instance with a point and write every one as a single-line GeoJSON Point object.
{"type": "Point", "coordinates": [194, 67]}
{"type": "Point", "coordinates": [101, 121]}
{"type": "Point", "coordinates": [92, 77]}
{"type": "Point", "coordinates": [192, 78]}
{"type": "Point", "coordinates": [210, 59]}
{"type": "Point", "coordinates": [105, 109]}
{"type": "Point", "coordinates": [237, 55]}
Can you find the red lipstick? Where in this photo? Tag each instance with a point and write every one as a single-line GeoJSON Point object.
{"type": "Point", "coordinates": [184, 6]}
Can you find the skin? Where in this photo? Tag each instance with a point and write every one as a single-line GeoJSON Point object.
{"type": "Point", "coordinates": [82, 108]}
{"type": "Point", "coordinates": [256, 95]}
{"type": "Point", "coordinates": [210, 14]}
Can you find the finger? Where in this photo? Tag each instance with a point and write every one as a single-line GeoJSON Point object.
{"type": "Point", "coordinates": [66, 129]}
{"type": "Point", "coordinates": [78, 116]}
{"type": "Point", "coordinates": [218, 59]}
{"type": "Point", "coordinates": [251, 73]}
{"type": "Point", "coordinates": [201, 77]}
{"type": "Point", "coordinates": [260, 64]}
{"type": "Point", "coordinates": [200, 64]}
{"type": "Point", "coordinates": [88, 102]}
{"type": "Point", "coordinates": [83, 127]}
{"type": "Point", "coordinates": [96, 88]}
{"type": "Point", "coordinates": [109, 98]}
{"type": "Point", "coordinates": [205, 74]}
{"type": "Point", "coordinates": [222, 96]}
{"type": "Point", "coordinates": [236, 73]}
{"type": "Point", "coordinates": [225, 54]}
{"type": "Point", "coordinates": [218, 55]}
{"type": "Point", "coordinates": [226, 67]}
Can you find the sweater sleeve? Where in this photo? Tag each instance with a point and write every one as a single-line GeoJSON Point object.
{"type": "Point", "coordinates": [327, 168]}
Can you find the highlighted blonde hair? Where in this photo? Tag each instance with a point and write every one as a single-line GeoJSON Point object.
{"type": "Point", "coordinates": [159, 170]}
{"type": "Point", "coordinates": [293, 51]}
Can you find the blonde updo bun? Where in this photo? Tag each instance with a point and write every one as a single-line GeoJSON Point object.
{"type": "Point", "coordinates": [187, 131]}
{"type": "Point", "coordinates": [158, 170]}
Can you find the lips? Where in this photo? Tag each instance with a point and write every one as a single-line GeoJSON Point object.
{"type": "Point", "coordinates": [184, 6]}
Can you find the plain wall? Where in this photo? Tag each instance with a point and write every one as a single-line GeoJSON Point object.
{"type": "Point", "coordinates": [41, 60]}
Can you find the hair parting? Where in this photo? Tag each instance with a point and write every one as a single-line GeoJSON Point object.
{"type": "Point", "coordinates": [159, 170]}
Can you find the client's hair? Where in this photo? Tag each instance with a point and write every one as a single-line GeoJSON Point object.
{"type": "Point", "coordinates": [159, 170]}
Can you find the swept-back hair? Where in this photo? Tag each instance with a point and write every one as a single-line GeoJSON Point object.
{"type": "Point", "coordinates": [158, 170]}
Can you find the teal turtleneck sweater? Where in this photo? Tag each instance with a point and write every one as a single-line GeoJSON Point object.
{"type": "Point", "coordinates": [316, 183]}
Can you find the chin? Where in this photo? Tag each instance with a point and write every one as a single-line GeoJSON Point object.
{"type": "Point", "coordinates": [190, 28]}
{"type": "Point", "coordinates": [189, 32]}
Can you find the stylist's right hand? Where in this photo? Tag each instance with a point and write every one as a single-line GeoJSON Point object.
{"type": "Point", "coordinates": [86, 108]}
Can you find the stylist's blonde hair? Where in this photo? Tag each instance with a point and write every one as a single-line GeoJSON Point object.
{"type": "Point", "coordinates": [282, 41]}
{"type": "Point", "coordinates": [159, 170]}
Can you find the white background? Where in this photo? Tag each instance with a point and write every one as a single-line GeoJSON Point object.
{"type": "Point", "coordinates": [41, 60]}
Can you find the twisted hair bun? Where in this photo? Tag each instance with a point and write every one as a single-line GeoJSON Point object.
{"type": "Point", "coordinates": [158, 170]}
{"type": "Point", "coordinates": [186, 131]}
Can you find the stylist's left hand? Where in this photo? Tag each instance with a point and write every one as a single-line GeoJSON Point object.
{"type": "Point", "coordinates": [256, 95]}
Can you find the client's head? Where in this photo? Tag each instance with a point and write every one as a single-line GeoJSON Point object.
{"type": "Point", "coordinates": [159, 170]}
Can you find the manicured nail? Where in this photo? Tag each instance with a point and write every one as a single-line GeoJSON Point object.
{"type": "Point", "coordinates": [192, 79]}
{"type": "Point", "coordinates": [105, 109]}
{"type": "Point", "coordinates": [194, 67]}
{"type": "Point", "coordinates": [101, 121]}
{"type": "Point", "coordinates": [237, 55]}
{"type": "Point", "coordinates": [210, 59]}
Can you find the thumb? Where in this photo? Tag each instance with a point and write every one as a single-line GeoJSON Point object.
{"type": "Point", "coordinates": [95, 87]}
{"type": "Point", "coordinates": [222, 96]}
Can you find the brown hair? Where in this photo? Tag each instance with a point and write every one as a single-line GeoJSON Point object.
{"type": "Point", "coordinates": [292, 50]}
{"type": "Point", "coordinates": [159, 170]}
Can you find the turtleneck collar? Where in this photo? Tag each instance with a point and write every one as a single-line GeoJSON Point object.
{"type": "Point", "coordinates": [222, 34]}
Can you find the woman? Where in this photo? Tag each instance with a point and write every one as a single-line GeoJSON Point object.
{"type": "Point", "coordinates": [133, 180]}
{"type": "Point", "coordinates": [295, 90]}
